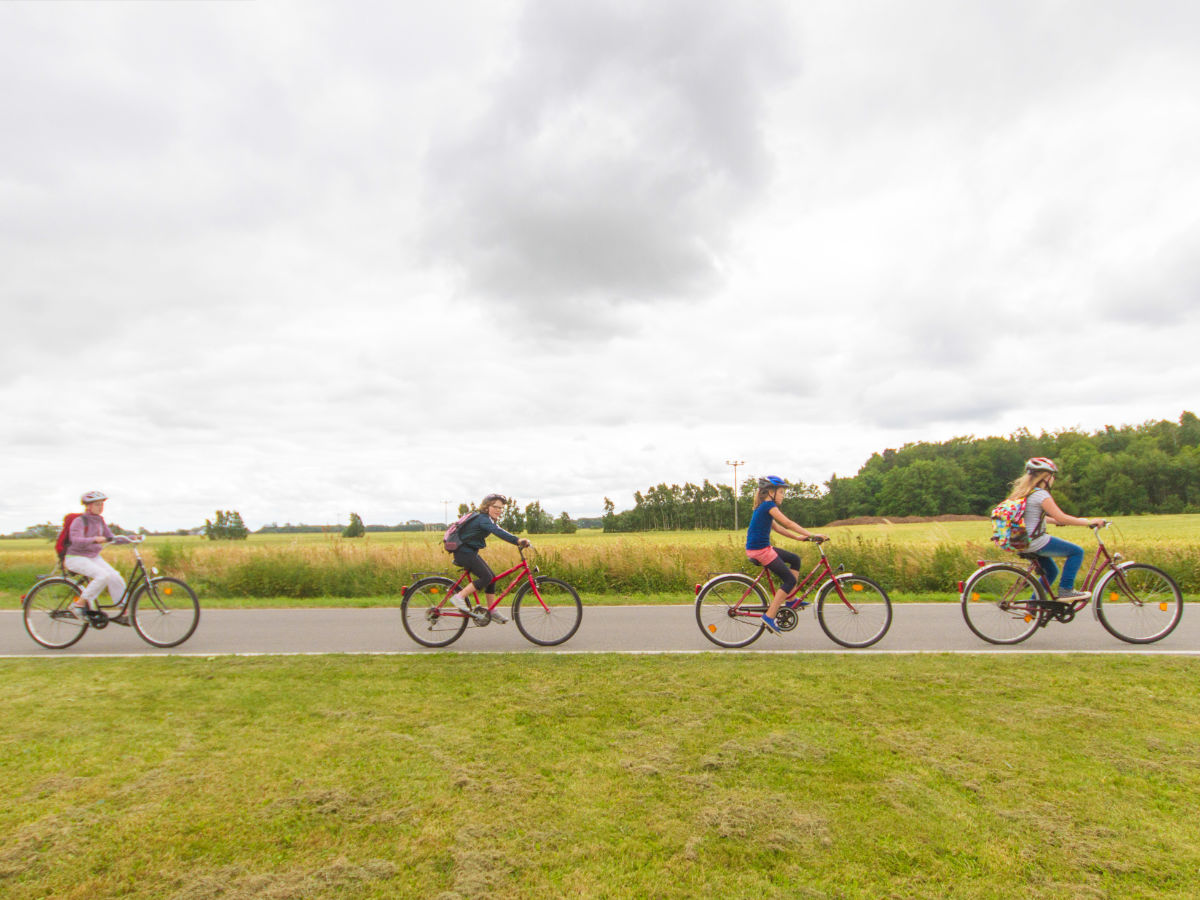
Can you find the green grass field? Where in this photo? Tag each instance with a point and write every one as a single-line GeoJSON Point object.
{"type": "Point", "coordinates": [622, 777]}
{"type": "Point", "coordinates": [913, 561]}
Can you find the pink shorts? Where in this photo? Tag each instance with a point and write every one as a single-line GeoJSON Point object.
{"type": "Point", "coordinates": [765, 556]}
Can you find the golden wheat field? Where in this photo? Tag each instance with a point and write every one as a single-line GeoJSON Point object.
{"type": "Point", "coordinates": [916, 558]}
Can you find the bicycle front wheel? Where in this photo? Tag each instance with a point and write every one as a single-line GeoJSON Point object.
{"type": "Point", "coordinates": [165, 612]}
{"type": "Point", "coordinates": [48, 617]}
{"type": "Point", "coordinates": [857, 617]}
{"type": "Point", "coordinates": [1139, 604]}
{"type": "Point", "coordinates": [729, 610]}
{"type": "Point", "coordinates": [427, 614]}
{"type": "Point", "coordinates": [999, 604]}
{"type": "Point", "coordinates": [554, 618]}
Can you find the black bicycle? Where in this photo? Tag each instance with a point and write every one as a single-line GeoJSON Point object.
{"type": "Point", "coordinates": [163, 611]}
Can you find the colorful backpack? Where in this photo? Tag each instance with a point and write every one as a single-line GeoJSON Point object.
{"type": "Point", "coordinates": [64, 536]}
{"type": "Point", "coordinates": [450, 539]}
{"type": "Point", "coordinates": [1008, 525]}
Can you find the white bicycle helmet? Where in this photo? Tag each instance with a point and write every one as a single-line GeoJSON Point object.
{"type": "Point", "coordinates": [1041, 464]}
{"type": "Point", "coordinates": [92, 497]}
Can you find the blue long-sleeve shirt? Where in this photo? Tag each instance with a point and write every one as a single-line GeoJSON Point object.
{"type": "Point", "coordinates": [474, 532]}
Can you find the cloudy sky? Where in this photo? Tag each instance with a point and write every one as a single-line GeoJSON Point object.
{"type": "Point", "coordinates": [303, 258]}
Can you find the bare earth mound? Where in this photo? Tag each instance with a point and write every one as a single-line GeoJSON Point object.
{"type": "Point", "coordinates": [905, 520]}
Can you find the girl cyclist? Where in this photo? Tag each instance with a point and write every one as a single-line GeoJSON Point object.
{"type": "Point", "coordinates": [473, 536]}
{"type": "Point", "coordinates": [768, 517]}
{"type": "Point", "coordinates": [1034, 486]}
{"type": "Point", "coordinates": [87, 534]}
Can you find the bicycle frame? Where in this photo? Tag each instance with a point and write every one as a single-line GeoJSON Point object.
{"type": "Point", "coordinates": [137, 577]}
{"type": "Point", "coordinates": [1102, 561]}
{"type": "Point", "coordinates": [520, 569]}
{"type": "Point", "coordinates": [817, 575]}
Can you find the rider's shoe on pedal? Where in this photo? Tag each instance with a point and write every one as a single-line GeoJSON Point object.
{"type": "Point", "coordinates": [1069, 595]}
{"type": "Point", "coordinates": [769, 624]}
{"type": "Point", "coordinates": [480, 615]}
{"type": "Point", "coordinates": [79, 611]}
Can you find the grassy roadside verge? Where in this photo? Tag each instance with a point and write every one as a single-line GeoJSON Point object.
{"type": "Point", "coordinates": [12, 600]}
{"type": "Point", "coordinates": [599, 777]}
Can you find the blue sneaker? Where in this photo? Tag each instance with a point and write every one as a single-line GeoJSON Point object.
{"type": "Point", "coordinates": [769, 624]}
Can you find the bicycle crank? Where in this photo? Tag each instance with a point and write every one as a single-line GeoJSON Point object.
{"type": "Point", "coordinates": [786, 619]}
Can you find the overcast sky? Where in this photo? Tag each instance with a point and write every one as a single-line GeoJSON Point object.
{"type": "Point", "coordinates": [299, 259]}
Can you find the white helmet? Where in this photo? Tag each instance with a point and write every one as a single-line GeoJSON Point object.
{"type": "Point", "coordinates": [92, 497]}
{"type": "Point", "coordinates": [1041, 464]}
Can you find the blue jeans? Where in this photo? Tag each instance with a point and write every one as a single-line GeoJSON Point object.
{"type": "Point", "coordinates": [1074, 559]}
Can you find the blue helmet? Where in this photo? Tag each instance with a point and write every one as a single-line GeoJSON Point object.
{"type": "Point", "coordinates": [772, 481]}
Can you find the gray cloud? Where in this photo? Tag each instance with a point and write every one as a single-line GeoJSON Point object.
{"type": "Point", "coordinates": [612, 160]}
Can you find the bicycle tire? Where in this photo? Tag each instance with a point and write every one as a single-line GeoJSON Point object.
{"type": "Point", "coordinates": [996, 604]}
{"type": "Point", "coordinates": [863, 624]}
{"type": "Point", "coordinates": [723, 613]}
{"type": "Point", "coordinates": [164, 612]}
{"type": "Point", "coordinates": [421, 613]}
{"type": "Point", "coordinates": [555, 619]}
{"type": "Point", "coordinates": [1138, 603]}
{"type": "Point", "coordinates": [47, 618]}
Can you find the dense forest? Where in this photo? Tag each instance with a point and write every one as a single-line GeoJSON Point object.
{"type": "Point", "coordinates": [1148, 468]}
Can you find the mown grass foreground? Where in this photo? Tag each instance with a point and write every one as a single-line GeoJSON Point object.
{"type": "Point", "coordinates": [598, 776]}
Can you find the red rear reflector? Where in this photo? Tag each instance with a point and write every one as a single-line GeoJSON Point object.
{"type": "Point", "coordinates": [960, 587]}
{"type": "Point", "coordinates": [982, 562]}
{"type": "Point", "coordinates": [696, 591]}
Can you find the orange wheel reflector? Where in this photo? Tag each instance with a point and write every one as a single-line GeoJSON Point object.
{"type": "Point", "coordinates": [1113, 597]}
{"type": "Point", "coordinates": [433, 590]}
{"type": "Point", "coordinates": [712, 628]}
{"type": "Point", "coordinates": [168, 590]}
{"type": "Point", "coordinates": [1163, 606]}
{"type": "Point", "coordinates": [974, 598]}
{"type": "Point", "coordinates": [1028, 618]}
{"type": "Point", "coordinates": [857, 587]}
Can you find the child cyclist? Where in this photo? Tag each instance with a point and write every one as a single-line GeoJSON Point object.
{"type": "Point", "coordinates": [768, 517]}
{"type": "Point", "coordinates": [88, 533]}
{"type": "Point", "coordinates": [1034, 486]}
{"type": "Point", "coordinates": [473, 536]}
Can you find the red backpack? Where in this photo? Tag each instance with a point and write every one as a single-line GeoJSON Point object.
{"type": "Point", "coordinates": [64, 536]}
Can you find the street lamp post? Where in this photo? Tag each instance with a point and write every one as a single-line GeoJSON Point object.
{"type": "Point", "coordinates": [735, 463]}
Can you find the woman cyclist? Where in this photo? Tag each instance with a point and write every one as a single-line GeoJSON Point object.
{"type": "Point", "coordinates": [88, 533]}
{"type": "Point", "coordinates": [768, 517]}
{"type": "Point", "coordinates": [473, 535]}
{"type": "Point", "coordinates": [1034, 486]}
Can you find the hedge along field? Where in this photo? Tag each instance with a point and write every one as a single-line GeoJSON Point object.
{"type": "Point", "coordinates": [907, 559]}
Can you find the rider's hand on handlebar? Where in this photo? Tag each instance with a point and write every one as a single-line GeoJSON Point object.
{"type": "Point", "coordinates": [524, 542]}
{"type": "Point", "coordinates": [818, 538]}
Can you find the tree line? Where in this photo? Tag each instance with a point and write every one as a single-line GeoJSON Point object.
{"type": "Point", "coordinates": [1125, 470]}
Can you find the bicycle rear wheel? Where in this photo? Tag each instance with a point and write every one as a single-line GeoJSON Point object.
{"type": "Point", "coordinates": [1138, 603]}
{"type": "Point", "coordinates": [861, 619]}
{"type": "Point", "coordinates": [427, 615]}
{"type": "Point", "coordinates": [48, 617]}
{"type": "Point", "coordinates": [998, 603]}
{"type": "Point", "coordinates": [165, 612]}
{"type": "Point", "coordinates": [729, 610]}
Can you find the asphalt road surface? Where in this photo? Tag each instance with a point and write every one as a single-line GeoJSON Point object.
{"type": "Point", "coordinates": [916, 628]}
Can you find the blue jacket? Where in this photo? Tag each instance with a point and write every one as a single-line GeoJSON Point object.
{"type": "Point", "coordinates": [474, 532]}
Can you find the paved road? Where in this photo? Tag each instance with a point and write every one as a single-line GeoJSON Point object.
{"type": "Point", "coordinates": [916, 627]}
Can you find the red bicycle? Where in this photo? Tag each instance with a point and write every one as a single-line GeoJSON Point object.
{"type": "Point", "coordinates": [1004, 603]}
{"type": "Point", "coordinates": [547, 611]}
{"type": "Point", "coordinates": [854, 611]}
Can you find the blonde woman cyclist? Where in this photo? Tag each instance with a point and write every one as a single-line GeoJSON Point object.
{"type": "Point", "coordinates": [768, 517]}
{"type": "Point", "coordinates": [1034, 486]}
{"type": "Point", "coordinates": [473, 535]}
{"type": "Point", "coordinates": [88, 533]}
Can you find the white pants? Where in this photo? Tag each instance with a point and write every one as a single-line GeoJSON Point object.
{"type": "Point", "coordinates": [102, 574]}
